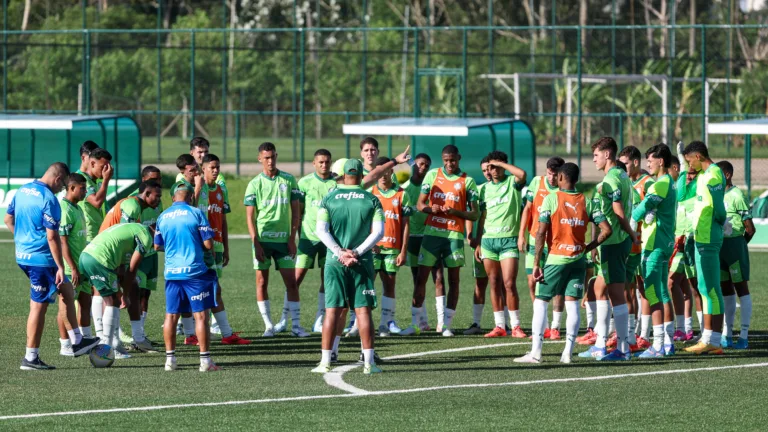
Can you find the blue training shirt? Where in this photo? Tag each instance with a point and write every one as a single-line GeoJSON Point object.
{"type": "Point", "coordinates": [36, 210]}
{"type": "Point", "coordinates": [182, 229]}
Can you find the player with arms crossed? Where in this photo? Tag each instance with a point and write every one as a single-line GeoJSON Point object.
{"type": "Point", "coordinates": [563, 222]}
{"type": "Point", "coordinates": [350, 222]}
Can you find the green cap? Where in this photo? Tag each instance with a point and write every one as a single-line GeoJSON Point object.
{"type": "Point", "coordinates": [353, 167]}
{"type": "Point", "coordinates": [181, 185]}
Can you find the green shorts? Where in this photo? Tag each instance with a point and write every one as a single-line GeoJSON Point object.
{"type": "Point", "coordinates": [531, 256]}
{"type": "Point", "coordinates": [414, 246]}
{"type": "Point", "coordinates": [690, 258]}
{"type": "Point", "coordinates": [613, 261]}
{"type": "Point", "coordinates": [678, 264]}
{"type": "Point", "coordinates": [347, 287]}
{"type": "Point", "coordinates": [308, 251]}
{"type": "Point", "coordinates": [734, 260]}
{"type": "Point", "coordinates": [83, 287]}
{"type": "Point", "coordinates": [655, 270]}
{"type": "Point", "coordinates": [386, 262]}
{"type": "Point", "coordinates": [478, 269]}
{"type": "Point", "coordinates": [563, 279]}
{"type": "Point", "coordinates": [499, 249]}
{"type": "Point", "coordinates": [100, 277]}
{"type": "Point", "coordinates": [708, 272]}
{"type": "Point", "coordinates": [273, 251]}
{"type": "Point", "coordinates": [147, 273]}
{"type": "Point", "coordinates": [439, 249]}
{"type": "Point", "coordinates": [633, 266]}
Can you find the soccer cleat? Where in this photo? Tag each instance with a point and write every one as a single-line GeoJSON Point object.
{"type": "Point", "coordinates": [424, 326]}
{"type": "Point", "coordinates": [669, 350]}
{"type": "Point", "coordinates": [334, 357]}
{"type": "Point", "coordinates": [121, 355]}
{"type": "Point", "coordinates": [370, 369]}
{"type": "Point", "coordinates": [269, 332]}
{"type": "Point", "coordinates": [447, 332]}
{"type": "Point", "coordinates": [679, 336]}
{"type": "Point", "coordinates": [527, 358]}
{"type": "Point", "coordinates": [473, 330]}
{"type": "Point", "coordinates": [726, 342]}
{"type": "Point", "coordinates": [383, 331]}
{"type": "Point", "coordinates": [651, 353]}
{"type": "Point", "coordinates": [643, 343]}
{"type": "Point", "coordinates": [170, 364]}
{"type": "Point", "coordinates": [211, 367]}
{"type": "Point", "coordinates": [191, 340]}
{"type": "Point", "coordinates": [589, 337]}
{"type": "Point", "coordinates": [66, 351]}
{"type": "Point", "coordinates": [741, 343]}
{"type": "Point", "coordinates": [615, 355]}
{"type": "Point", "coordinates": [322, 368]}
{"type": "Point", "coordinates": [353, 332]}
{"type": "Point", "coordinates": [150, 341]}
{"type": "Point", "coordinates": [496, 332]}
{"type": "Point", "coordinates": [280, 326]}
{"type": "Point", "coordinates": [565, 358]}
{"type": "Point", "coordinates": [593, 352]}
{"type": "Point", "coordinates": [299, 331]}
{"type": "Point", "coordinates": [318, 326]}
{"type": "Point", "coordinates": [410, 331]}
{"type": "Point", "coordinates": [554, 334]}
{"type": "Point", "coordinates": [143, 346]}
{"type": "Point", "coordinates": [234, 339]}
{"type": "Point", "coordinates": [688, 336]}
{"type": "Point", "coordinates": [704, 348]}
{"type": "Point", "coordinates": [518, 333]}
{"type": "Point", "coordinates": [215, 329]}
{"type": "Point", "coordinates": [124, 338]}
{"type": "Point", "coordinates": [35, 364]}
{"type": "Point", "coordinates": [376, 358]}
{"type": "Point", "coordinates": [547, 333]}
{"type": "Point", "coordinates": [85, 346]}
{"type": "Point", "coordinates": [393, 328]}
{"type": "Point", "coordinates": [612, 341]}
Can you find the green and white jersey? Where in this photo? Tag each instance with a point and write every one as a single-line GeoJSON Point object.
{"type": "Point", "coordinates": [502, 202]}
{"type": "Point", "coordinates": [481, 208]}
{"type": "Point", "coordinates": [72, 225]}
{"type": "Point", "coordinates": [149, 215]}
{"type": "Point", "coordinates": [115, 245]}
{"type": "Point", "coordinates": [736, 211]}
{"type": "Point", "coordinates": [350, 212]}
{"type": "Point", "coordinates": [471, 196]}
{"type": "Point", "coordinates": [659, 206]}
{"type": "Point", "coordinates": [418, 220]}
{"type": "Point", "coordinates": [272, 199]}
{"type": "Point", "coordinates": [313, 188]}
{"type": "Point", "coordinates": [93, 216]}
{"type": "Point", "coordinates": [615, 187]}
{"type": "Point", "coordinates": [202, 200]}
{"type": "Point", "coordinates": [686, 196]}
{"type": "Point", "coordinates": [709, 207]}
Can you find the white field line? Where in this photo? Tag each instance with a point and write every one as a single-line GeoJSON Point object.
{"type": "Point", "coordinates": [381, 393]}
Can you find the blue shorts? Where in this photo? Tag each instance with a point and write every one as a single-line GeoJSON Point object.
{"type": "Point", "coordinates": [42, 287]}
{"type": "Point", "coordinates": [196, 294]}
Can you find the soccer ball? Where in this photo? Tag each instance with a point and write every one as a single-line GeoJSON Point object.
{"type": "Point", "coordinates": [102, 356]}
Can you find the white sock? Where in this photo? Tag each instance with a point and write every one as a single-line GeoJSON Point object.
{"type": "Point", "coordinates": [415, 316]}
{"type": "Point", "coordinates": [286, 308]}
{"type": "Point", "coordinates": [688, 324]}
{"type": "Point", "coordinates": [514, 319]}
{"type": "Point", "coordinates": [65, 343]}
{"type": "Point", "coordinates": [189, 326]}
{"type": "Point", "coordinates": [137, 331]}
{"type": "Point", "coordinates": [205, 359]}
{"type": "Point", "coordinates": [325, 356]}
{"type": "Point", "coordinates": [449, 313]}
{"type": "Point", "coordinates": [86, 331]}
{"type": "Point", "coordinates": [658, 337]}
{"type": "Point", "coordinates": [591, 312]}
{"type": "Point", "coordinates": [621, 315]}
{"type": "Point", "coordinates": [423, 317]}
{"type": "Point", "coordinates": [706, 336]}
{"type": "Point", "coordinates": [729, 314]}
{"type": "Point", "coordinates": [556, 316]}
{"type": "Point", "coordinates": [601, 328]}
{"type": "Point", "coordinates": [700, 317]}
{"type": "Point", "coordinates": [611, 324]}
{"type": "Point", "coordinates": [440, 307]}
{"type": "Point", "coordinates": [631, 330]}
{"type": "Point", "coordinates": [115, 328]}
{"type": "Point", "coordinates": [109, 329]}
{"type": "Point", "coordinates": [746, 315]}
{"type": "Point", "coordinates": [715, 339]}
{"type": "Point", "coordinates": [506, 316]}
{"type": "Point", "coordinates": [477, 313]}
{"type": "Point", "coordinates": [387, 310]}
{"type": "Point", "coordinates": [538, 324]}
{"type": "Point", "coordinates": [31, 353]}
{"type": "Point", "coordinates": [645, 323]}
{"type": "Point", "coordinates": [143, 321]}
{"type": "Point", "coordinates": [265, 313]}
{"type": "Point", "coordinates": [320, 305]}
{"type": "Point", "coordinates": [679, 322]}
{"type": "Point", "coordinates": [498, 318]}
{"type": "Point", "coordinates": [336, 341]}
{"type": "Point", "coordinates": [669, 332]}
{"type": "Point", "coordinates": [97, 311]}
{"type": "Point", "coordinates": [223, 320]}
{"type": "Point", "coordinates": [368, 356]}
{"type": "Point", "coordinates": [75, 336]}
{"type": "Point", "coordinates": [571, 326]}
{"type": "Point", "coordinates": [295, 309]}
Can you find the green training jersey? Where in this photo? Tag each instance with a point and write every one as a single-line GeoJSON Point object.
{"type": "Point", "coordinates": [272, 197]}
{"type": "Point", "coordinates": [659, 207]}
{"type": "Point", "coordinates": [615, 187]}
{"type": "Point", "coordinates": [686, 196]}
{"type": "Point", "coordinates": [202, 200]}
{"type": "Point", "coordinates": [502, 202]}
{"type": "Point", "coordinates": [93, 216]}
{"type": "Point", "coordinates": [418, 220]}
{"type": "Point", "coordinates": [149, 215]}
{"type": "Point", "coordinates": [709, 207]}
{"type": "Point", "coordinates": [549, 206]}
{"type": "Point", "coordinates": [313, 188]}
{"type": "Point", "coordinates": [535, 195]}
{"type": "Point", "coordinates": [115, 245]}
{"type": "Point", "coordinates": [350, 213]}
{"type": "Point", "coordinates": [72, 226]}
{"type": "Point", "coordinates": [481, 208]}
{"type": "Point", "coordinates": [736, 212]}
{"type": "Point", "coordinates": [471, 196]}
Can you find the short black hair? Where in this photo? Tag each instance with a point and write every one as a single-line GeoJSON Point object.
{"type": "Point", "coordinates": [555, 163]}
{"type": "Point", "coordinates": [267, 146]}
{"type": "Point", "coordinates": [382, 160]}
{"type": "Point", "coordinates": [485, 159]}
{"type": "Point", "coordinates": [726, 166]}
{"type": "Point", "coordinates": [152, 184]}
{"type": "Point", "coordinates": [210, 157]}
{"type": "Point", "coordinates": [606, 143]}
{"type": "Point", "coordinates": [423, 156]}
{"type": "Point", "coordinates": [621, 165]}
{"type": "Point", "coordinates": [184, 160]}
{"type": "Point", "coordinates": [450, 149]}
{"type": "Point", "coordinates": [322, 152]}
{"type": "Point", "coordinates": [696, 147]}
{"type": "Point", "coordinates": [369, 140]}
{"type": "Point", "coordinates": [498, 156]}
{"type": "Point", "coordinates": [59, 168]}
{"type": "Point", "coordinates": [75, 178]}
{"type": "Point", "coordinates": [632, 153]}
{"type": "Point", "coordinates": [674, 162]}
{"type": "Point", "coordinates": [149, 169]}
{"type": "Point", "coordinates": [100, 153]}
{"type": "Point", "coordinates": [661, 151]}
{"type": "Point", "coordinates": [199, 142]}
{"type": "Point", "coordinates": [88, 147]}
{"type": "Point", "coordinates": [571, 171]}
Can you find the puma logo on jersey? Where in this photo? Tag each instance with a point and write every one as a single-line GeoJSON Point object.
{"type": "Point", "coordinates": [450, 196]}
{"type": "Point", "coordinates": [389, 214]}
{"type": "Point", "coordinates": [572, 206]}
{"type": "Point", "coordinates": [574, 222]}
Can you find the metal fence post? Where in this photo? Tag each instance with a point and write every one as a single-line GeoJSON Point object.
{"type": "Point", "coordinates": [578, 92]}
{"type": "Point", "coordinates": [5, 56]}
{"type": "Point", "coordinates": [192, 85]}
{"type": "Point", "coordinates": [621, 131]}
{"type": "Point", "coordinates": [301, 105]}
{"type": "Point", "coordinates": [364, 66]}
{"type": "Point", "coordinates": [237, 143]}
{"type": "Point", "coordinates": [346, 137]}
{"type": "Point", "coordinates": [87, 85]}
{"type": "Point", "coordinates": [490, 58]}
{"type": "Point", "coordinates": [224, 63]}
{"type": "Point", "coordinates": [463, 89]}
{"type": "Point", "coordinates": [159, 100]}
{"type": "Point", "coordinates": [748, 165]}
{"type": "Point", "coordinates": [703, 79]}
